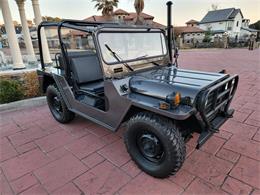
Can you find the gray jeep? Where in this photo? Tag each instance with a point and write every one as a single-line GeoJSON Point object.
{"type": "Point", "coordinates": [114, 75]}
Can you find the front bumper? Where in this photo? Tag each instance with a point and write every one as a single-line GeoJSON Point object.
{"type": "Point", "coordinates": [215, 124]}
{"type": "Point", "coordinates": [214, 105]}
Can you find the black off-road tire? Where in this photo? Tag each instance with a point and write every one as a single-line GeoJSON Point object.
{"type": "Point", "coordinates": [63, 115]}
{"type": "Point", "coordinates": [172, 142]}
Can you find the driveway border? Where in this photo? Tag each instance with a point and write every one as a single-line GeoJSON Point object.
{"type": "Point", "coordinates": [27, 103]}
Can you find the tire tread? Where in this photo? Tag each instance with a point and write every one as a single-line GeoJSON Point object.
{"type": "Point", "coordinates": [67, 114]}
{"type": "Point", "coordinates": [170, 130]}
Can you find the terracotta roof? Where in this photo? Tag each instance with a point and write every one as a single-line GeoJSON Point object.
{"type": "Point", "coordinates": [95, 19]}
{"type": "Point", "coordinates": [178, 30]}
{"type": "Point", "coordinates": [121, 12]}
{"type": "Point", "coordinates": [129, 17]}
{"type": "Point", "coordinates": [192, 22]}
{"type": "Point", "coordinates": [133, 15]}
{"type": "Point", "coordinates": [77, 33]}
{"type": "Point", "coordinates": [158, 25]}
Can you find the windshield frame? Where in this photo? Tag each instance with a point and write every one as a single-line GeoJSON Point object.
{"type": "Point", "coordinates": [131, 30]}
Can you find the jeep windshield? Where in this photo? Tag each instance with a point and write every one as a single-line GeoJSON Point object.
{"type": "Point", "coordinates": [131, 46]}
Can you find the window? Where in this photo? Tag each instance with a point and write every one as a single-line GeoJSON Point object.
{"type": "Point", "coordinates": [198, 34]}
{"type": "Point", "coordinates": [188, 34]}
{"type": "Point", "coordinates": [193, 34]}
{"type": "Point", "coordinates": [237, 23]}
{"type": "Point", "coordinates": [229, 25]}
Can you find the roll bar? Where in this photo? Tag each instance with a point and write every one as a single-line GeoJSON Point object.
{"type": "Point", "coordinates": [63, 23]}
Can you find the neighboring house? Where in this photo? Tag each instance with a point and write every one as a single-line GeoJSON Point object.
{"type": "Point", "coordinates": [192, 23]}
{"type": "Point", "coordinates": [246, 31]}
{"type": "Point", "coordinates": [230, 20]}
{"type": "Point", "coordinates": [190, 34]}
{"type": "Point", "coordinates": [124, 17]}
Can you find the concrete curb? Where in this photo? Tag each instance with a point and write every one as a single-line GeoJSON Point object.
{"type": "Point", "coordinates": [27, 103]}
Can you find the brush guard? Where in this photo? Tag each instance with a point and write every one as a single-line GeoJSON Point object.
{"type": "Point", "coordinates": [214, 107]}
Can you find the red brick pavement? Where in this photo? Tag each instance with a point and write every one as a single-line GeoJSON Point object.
{"type": "Point", "coordinates": [41, 156]}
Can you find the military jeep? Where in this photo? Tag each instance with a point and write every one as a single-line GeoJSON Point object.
{"type": "Point", "coordinates": [116, 75]}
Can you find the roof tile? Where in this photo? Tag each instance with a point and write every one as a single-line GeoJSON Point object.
{"type": "Point", "coordinates": [186, 29]}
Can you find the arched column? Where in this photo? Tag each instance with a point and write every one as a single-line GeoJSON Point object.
{"type": "Point", "coordinates": [12, 39]}
{"type": "Point", "coordinates": [38, 19]}
{"type": "Point", "coordinates": [26, 33]}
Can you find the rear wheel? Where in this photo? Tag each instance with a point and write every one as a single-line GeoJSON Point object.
{"type": "Point", "coordinates": [57, 105]}
{"type": "Point", "coordinates": [155, 144]}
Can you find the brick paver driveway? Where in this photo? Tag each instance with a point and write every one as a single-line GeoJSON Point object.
{"type": "Point", "coordinates": [41, 156]}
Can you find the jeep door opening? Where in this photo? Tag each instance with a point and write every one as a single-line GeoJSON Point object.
{"type": "Point", "coordinates": [126, 75]}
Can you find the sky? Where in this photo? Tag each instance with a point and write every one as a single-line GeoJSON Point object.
{"type": "Point", "coordinates": [183, 10]}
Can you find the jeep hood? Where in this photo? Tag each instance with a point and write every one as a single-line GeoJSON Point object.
{"type": "Point", "coordinates": [162, 82]}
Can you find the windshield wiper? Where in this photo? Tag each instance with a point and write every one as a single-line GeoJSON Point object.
{"type": "Point", "coordinates": [140, 57]}
{"type": "Point", "coordinates": [118, 58]}
{"type": "Point", "coordinates": [155, 63]}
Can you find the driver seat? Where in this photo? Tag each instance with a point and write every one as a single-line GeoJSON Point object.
{"type": "Point", "coordinates": [87, 72]}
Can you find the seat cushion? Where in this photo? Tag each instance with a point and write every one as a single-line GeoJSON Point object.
{"type": "Point", "coordinates": [86, 68]}
{"type": "Point", "coordinates": [93, 87]}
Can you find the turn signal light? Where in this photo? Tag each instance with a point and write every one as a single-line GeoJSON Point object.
{"type": "Point", "coordinates": [177, 99]}
{"type": "Point", "coordinates": [164, 105]}
{"type": "Point", "coordinates": [174, 99]}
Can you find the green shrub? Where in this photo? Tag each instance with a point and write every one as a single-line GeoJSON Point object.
{"type": "Point", "coordinates": [208, 35]}
{"type": "Point", "coordinates": [10, 90]}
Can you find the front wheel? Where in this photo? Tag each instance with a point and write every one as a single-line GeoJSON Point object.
{"type": "Point", "coordinates": [57, 105]}
{"type": "Point", "coordinates": [155, 144]}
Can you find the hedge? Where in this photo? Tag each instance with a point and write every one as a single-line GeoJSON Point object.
{"type": "Point", "coordinates": [18, 85]}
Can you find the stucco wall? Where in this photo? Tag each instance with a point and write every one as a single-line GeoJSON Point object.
{"type": "Point", "coordinates": [237, 25]}
{"type": "Point", "coordinates": [214, 26]}
{"type": "Point", "coordinates": [187, 37]}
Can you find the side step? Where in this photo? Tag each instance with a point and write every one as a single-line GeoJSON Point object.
{"type": "Point", "coordinates": [216, 124]}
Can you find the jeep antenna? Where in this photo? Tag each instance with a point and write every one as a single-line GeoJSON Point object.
{"type": "Point", "coordinates": [170, 35]}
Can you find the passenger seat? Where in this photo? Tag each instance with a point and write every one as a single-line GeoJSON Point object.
{"type": "Point", "coordinates": [87, 72]}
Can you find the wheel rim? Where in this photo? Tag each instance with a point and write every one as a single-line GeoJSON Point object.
{"type": "Point", "coordinates": [56, 106]}
{"type": "Point", "coordinates": [150, 147]}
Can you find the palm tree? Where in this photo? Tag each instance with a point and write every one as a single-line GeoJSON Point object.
{"type": "Point", "coordinates": [107, 6]}
{"type": "Point", "coordinates": [139, 6]}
